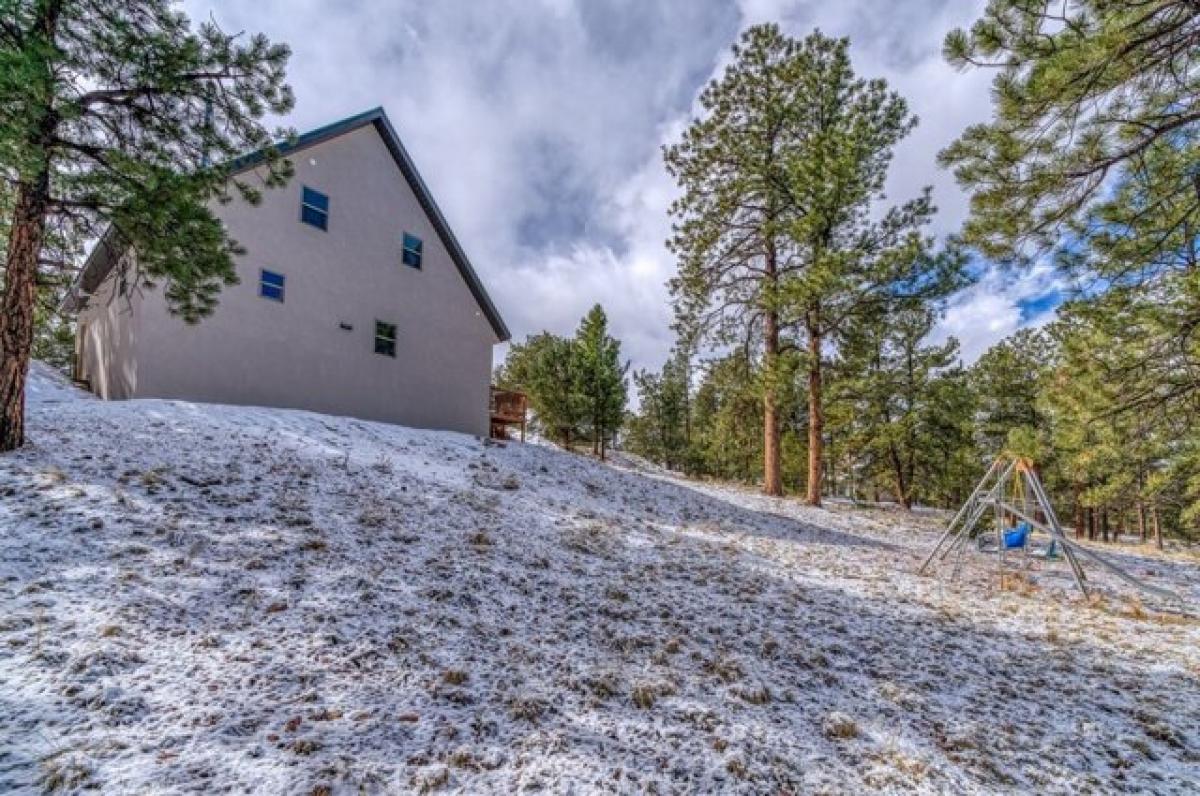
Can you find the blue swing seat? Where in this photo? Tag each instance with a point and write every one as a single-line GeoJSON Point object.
{"type": "Point", "coordinates": [1018, 537]}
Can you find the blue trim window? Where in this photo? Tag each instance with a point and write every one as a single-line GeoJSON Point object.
{"type": "Point", "coordinates": [314, 208]}
{"type": "Point", "coordinates": [412, 250]}
{"type": "Point", "coordinates": [270, 285]}
{"type": "Point", "coordinates": [385, 338]}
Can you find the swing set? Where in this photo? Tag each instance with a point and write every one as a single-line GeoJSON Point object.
{"type": "Point", "coordinates": [1017, 501]}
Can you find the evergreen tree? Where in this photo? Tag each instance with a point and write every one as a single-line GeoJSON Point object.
{"type": "Point", "coordinates": [1092, 156]}
{"type": "Point", "coordinates": [890, 381]}
{"type": "Point", "coordinates": [661, 428]}
{"type": "Point", "coordinates": [1084, 90]}
{"type": "Point", "coordinates": [117, 113]}
{"type": "Point", "coordinates": [733, 218]}
{"type": "Point", "coordinates": [779, 243]}
{"type": "Point", "coordinates": [727, 420]}
{"type": "Point", "coordinates": [1007, 380]}
{"type": "Point", "coordinates": [953, 461]}
{"type": "Point", "coordinates": [53, 329]}
{"type": "Point", "coordinates": [545, 368]}
{"type": "Point", "coordinates": [1122, 463]}
{"type": "Point", "coordinates": [600, 379]}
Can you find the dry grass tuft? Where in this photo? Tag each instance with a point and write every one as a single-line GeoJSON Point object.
{"type": "Point", "coordinates": [723, 667]}
{"type": "Point", "coordinates": [454, 677]}
{"type": "Point", "coordinates": [736, 767]}
{"type": "Point", "coordinates": [754, 694]}
{"type": "Point", "coordinates": [643, 696]}
{"type": "Point", "coordinates": [839, 726]}
{"type": "Point", "coordinates": [526, 707]}
{"type": "Point", "coordinates": [64, 772]}
{"type": "Point", "coordinates": [613, 593]}
{"type": "Point", "coordinates": [434, 781]}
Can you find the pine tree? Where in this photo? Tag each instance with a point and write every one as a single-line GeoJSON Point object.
{"type": "Point", "coordinates": [1123, 462]}
{"type": "Point", "coordinates": [1084, 90]}
{"type": "Point", "coordinates": [890, 382]}
{"type": "Point", "coordinates": [661, 428]}
{"type": "Point", "coordinates": [779, 243]}
{"type": "Point", "coordinates": [727, 420]}
{"type": "Point", "coordinates": [545, 368]}
{"type": "Point", "coordinates": [600, 379]}
{"type": "Point", "coordinates": [117, 113]}
{"type": "Point", "coordinates": [1007, 380]}
{"type": "Point", "coordinates": [733, 218]}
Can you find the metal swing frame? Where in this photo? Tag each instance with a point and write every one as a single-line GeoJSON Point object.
{"type": "Point", "coordinates": [991, 492]}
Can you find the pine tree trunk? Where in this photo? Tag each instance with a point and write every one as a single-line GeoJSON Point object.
{"type": "Point", "coordinates": [1104, 524]}
{"type": "Point", "coordinates": [902, 484]}
{"type": "Point", "coordinates": [1154, 519]}
{"type": "Point", "coordinates": [833, 474]}
{"type": "Point", "coordinates": [1079, 515]}
{"type": "Point", "coordinates": [772, 470]}
{"type": "Point", "coordinates": [1141, 519]}
{"type": "Point", "coordinates": [19, 299]}
{"type": "Point", "coordinates": [25, 238]}
{"type": "Point", "coordinates": [816, 415]}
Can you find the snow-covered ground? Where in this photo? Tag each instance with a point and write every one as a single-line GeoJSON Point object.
{"type": "Point", "coordinates": [206, 598]}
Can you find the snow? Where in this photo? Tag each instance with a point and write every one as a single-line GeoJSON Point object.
{"type": "Point", "coordinates": [216, 598]}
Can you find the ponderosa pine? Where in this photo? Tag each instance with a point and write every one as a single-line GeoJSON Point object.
{"type": "Point", "coordinates": [120, 112]}
{"type": "Point", "coordinates": [779, 237]}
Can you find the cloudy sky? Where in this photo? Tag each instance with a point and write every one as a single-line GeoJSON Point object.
{"type": "Point", "coordinates": [539, 124]}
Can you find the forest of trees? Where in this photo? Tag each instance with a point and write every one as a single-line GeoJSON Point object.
{"type": "Point", "coordinates": [805, 304]}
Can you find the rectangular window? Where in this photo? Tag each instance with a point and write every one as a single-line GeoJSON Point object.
{"type": "Point", "coordinates": [412, 250]}
{"type": "Point", "coordinates": [270, 285]}
{"type": "Point", "coordinates": [385, 338]}
{"type": "Point", "coordinates": [314, 208]}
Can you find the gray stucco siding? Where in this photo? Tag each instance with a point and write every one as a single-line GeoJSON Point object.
{"type": "Point", "coordinates": [106, 338]}
{"type": "Point", "coordinates": [294, 354]}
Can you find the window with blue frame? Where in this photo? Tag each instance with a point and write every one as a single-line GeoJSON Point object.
{"type": "Point", "coordinates": [412, 250]}
{"type": "Point", "coordinates": [314, 208]}
{"type": "Point", "coordinates": [270, 285]}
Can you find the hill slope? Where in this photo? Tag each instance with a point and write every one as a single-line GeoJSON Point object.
{"type": "Point", "coordinates": [207, 597]}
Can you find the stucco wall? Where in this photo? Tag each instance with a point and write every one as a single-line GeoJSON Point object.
{"type": "Point", "coordinates": [295, 354]}
{"type": "Point", "coordinates": [105, 339]}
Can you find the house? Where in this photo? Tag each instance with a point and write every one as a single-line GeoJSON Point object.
{"type": "Point", "coordinates": [355, 299]}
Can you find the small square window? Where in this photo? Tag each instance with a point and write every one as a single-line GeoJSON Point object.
{"type": "Point", "coordinates": [314, 208]}
{"type": "Point", "coordinates": [270, 285]}
{"type": "Point", "coordinates": [412, 250]}
{"type": "Point", "coordinates": [385, 338]}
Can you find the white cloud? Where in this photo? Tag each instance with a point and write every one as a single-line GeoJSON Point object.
{"type": "Point", "coordinates": [991, 310]}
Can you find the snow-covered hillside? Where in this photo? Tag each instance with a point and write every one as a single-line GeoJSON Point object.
{"type": "Point", "coordinates": [216, 599]}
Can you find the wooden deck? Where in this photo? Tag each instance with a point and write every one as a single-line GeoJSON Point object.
{"type": "Point", "coordinates": [507, 408]}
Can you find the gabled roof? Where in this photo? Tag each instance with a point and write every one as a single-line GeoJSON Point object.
{"type": "Point", "coordinates": [109, 249]}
